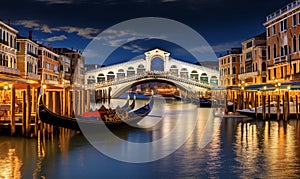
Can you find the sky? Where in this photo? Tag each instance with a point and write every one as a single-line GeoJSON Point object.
{"type": "Point", "coordinates": [224, 24]}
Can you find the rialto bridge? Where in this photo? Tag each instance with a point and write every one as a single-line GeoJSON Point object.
{"type": "Point", "coordinates": [156, 66]}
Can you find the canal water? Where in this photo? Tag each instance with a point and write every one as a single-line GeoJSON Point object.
{"type": "Point", "coordinates": [235, 149]}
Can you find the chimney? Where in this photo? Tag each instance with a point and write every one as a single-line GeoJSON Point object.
{"type": "Point", "coordinates": [48, 46]}
{"type": "Point", "coordinates": [8, 22]}
{"type": "Point", "coordinates": [30, 35]}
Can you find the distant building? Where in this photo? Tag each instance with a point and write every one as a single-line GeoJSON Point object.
{"type": "Point", "coordinates": [229, 67]}
{"type": "Point", "coordinates": [8, 49]}
{"type": "Point", "coordinates": [88, 67]}
{"type": "Point", "coordinates": [253, 66]}
{"type": "Point", "coordinates": [77, 65]}
{"type": "Point", "coordinates": [283, 43]}
{"type": "Point", "coordinates": [210, 64]}
{"type": "Point", "coordinates": [48, 66]}
{"type": "Point", "coordinates": [27, 56]}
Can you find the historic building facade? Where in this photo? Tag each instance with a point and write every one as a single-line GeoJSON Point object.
{"type": "Point", "coordinates": [283, 43]}
{"type": "Point", "coordinates": [253, 62]}
{"type": "Point", "coordinates": [8, 49]}
{"type": "Point", "coordinates": [229, 66]}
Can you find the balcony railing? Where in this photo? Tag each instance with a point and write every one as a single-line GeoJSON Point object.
{"type": "Point", "coordinates": [32, 75]}
{"type": "Point", "coordinates": [4, 69]}
{"type": "Point", "coordinates": [51, 82]}
{"type": "Point", "coordinates": [283, 10]}
{"type": "Point", "coordinates": [281, 59]}
{"type": "Point", "coordinates": [32, 54]}
{"type": "Point", "coordinates": [247, 75]}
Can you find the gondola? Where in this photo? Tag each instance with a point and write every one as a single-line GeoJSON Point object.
{"type": "Point", "coordinates": [126, 107]}
{"type": "Point", "coordinates": [133, 117]}
{"type": "Point", "coordinates": [176, 97]}
{"type": "Point", "coordinates": [205, 103]}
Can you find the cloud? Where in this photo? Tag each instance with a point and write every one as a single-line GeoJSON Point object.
{"type": "Point", "coordinates": [56, 38]}
{"type": "Point", "coordinates": [56, 1]}
{"type": "Point", "coordinates": [134, 48]}
{"type": "Point", "coordinates": [86, 32]}
{"type": "Point", "coordinates": [223, 47]}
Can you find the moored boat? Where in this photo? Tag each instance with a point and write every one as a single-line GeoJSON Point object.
{"type": "Point", "coordinates": [110, 118]}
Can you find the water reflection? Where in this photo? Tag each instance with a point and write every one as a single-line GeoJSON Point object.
{"type": "Point", "coordinates": [255, 149]}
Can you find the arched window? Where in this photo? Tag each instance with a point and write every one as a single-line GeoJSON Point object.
{"type": "Point", "coordinates": [214, 80]}
{"type": "Point", "coordinates": [91, 80]}
{"type": "Point", "coordinates": [120, 74]}
{"type": "Point", "coordinates": [130, 71]}
{"type": "Point", "coordinates": [174, 70]}
{"type": "Point", "coordinates": [184, 73]}
{"type": "Point", "coordinates": [157, 64]}
{"type": "Point", "coordinates": [204, 78]}
{"type": "Point", "coordinates": [100, 78]}
{"type": "Point", "coordinates": [194, 75]}
{"type": "Point", "coordinates": [141, 69]}
{"type": "Point", "coordinates": [294, 43]}
{"type": "Point", "coordinates": [110, 76]}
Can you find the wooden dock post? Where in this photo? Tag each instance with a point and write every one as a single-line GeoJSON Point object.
{"type": "Point", "coordinates": [247, 100]}
{"type": "Point", "coordinates": [278, 107]}
{"type": "Point", "coordinates": [255, 105]}
{"type": "Point", "coordinates": [297, 108]}
{"type": "Point", "coordinates": [264, 106]}
{"type": "Point", "coordinates": [12, 110]}
{"type": "Point", "coordinates": [287, 106]}
{"type": "Point", "coordinates": [36, 116]}
{"type": "Point", "coordinates": [283, 107]}
{"type": "Point", "coordinates": [28, 111]}
{"type": "Point", "coordinates": [24, 113]}
{"type": "Point", "coordinates": [269, 106]}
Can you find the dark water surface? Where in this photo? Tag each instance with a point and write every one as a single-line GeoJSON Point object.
{"type": "Point", "coordinates": [252, 149]}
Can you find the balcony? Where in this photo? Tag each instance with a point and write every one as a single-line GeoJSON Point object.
{"type": "Point", "coordinates": [247, 75]}
{"type": "Point", "coordinates": [283, 10]}
{"type": "Point", "coordinates": [32, 54]}
{"type": "Point", "coordinates": [4, 69]}
{"type": "Point", "coordinates": [281, 60]}
{"type": "Point", "coordinates": [32, 75]}
{"type": "Point", "coordinates": [51, 82]}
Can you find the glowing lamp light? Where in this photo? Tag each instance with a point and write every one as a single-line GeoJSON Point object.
{"type": "Point", "coordinates": [44, 86]}
{"type": "Point", "coordinates": [265, 87]}
{"type": "Point", "coordinates": [289, 87]}
{"type": "Point", "coordinates": [10, 85]}
{"type": "Point", "coordinates": [242, 88]}
{"type": "Point", "coordinates": [5, 87]}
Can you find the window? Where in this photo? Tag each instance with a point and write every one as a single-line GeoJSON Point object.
{"type": "Point", "coordinates": [274, 51]}
{"type": "Point", "coordinates": [274, 72]}
{"type": "Point", "coordinates": [264, 66]}
{"type": "Point", "coordinates": [283, 25]}
{"type": "Point", "coordinates": [294, 44]}
{"type": "Point", "coordinates": [269, 52]}
{"type": "Point", "coordinates": [268, 33]}
{"type": "Point", "coordinates": [269, 74]}
{"type": "Point", "coordinates": [228, 60]}
{"type": "Point", "coordinates": [249, 55]}
{"type": "Point", "coordinates": [299, 42]}
{"type": "Point", "coordinates": [274, 29]}
{"type": "Point", "coordinates": [294, 20]}
{"type": "Point", "coordinates": [233, 59]}
{"type": "Point", "coordinates": [249, 44]}
{"type": "Point", "coordinates": [299, 18]}
{"type": "Point", "coordinates": [234, 70]}
{"type": "Point", "coordinates": [228, 71]}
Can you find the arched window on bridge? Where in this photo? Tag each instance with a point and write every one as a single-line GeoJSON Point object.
{"type": "Point", "coordinates": [110, 76]}
{"type": "Point", "coordinates": [141, 69]}
{"type": "Point", "coordinates": [184, 73]}
{"type": "Point", "coordinates": [174, 70]}
{"type": "Point", "coordinates": [130, 71]}
{"type": "Point", "coordinates": [204, 78]}
{"type": "Point", "coordinates": [100, 78]}
{"type": "Point", "coordinates": [157, 64]}
{"type": "Point", "coordinates": [194, 75]}
{"type": "Point", "coordinates": [214, 80]}
{"type": "Point", "coordinates": [120, 74]}
{"type": "Point", "coordinates": [91, 80]}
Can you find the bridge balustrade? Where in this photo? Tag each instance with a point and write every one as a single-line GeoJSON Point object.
{"type": "Point", "coordinates": [153, 74]}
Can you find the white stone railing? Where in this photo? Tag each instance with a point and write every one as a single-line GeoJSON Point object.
{"type": "Point", "coordinates": [33, 75]}
{"type": "Point", "coordinates": [5, 69]}
{"type": "Point", "coordinates": [155, 74]}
